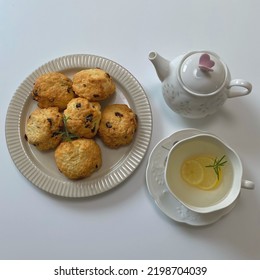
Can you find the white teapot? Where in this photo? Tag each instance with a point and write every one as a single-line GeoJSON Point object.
{"type": "Point", "coordinates": [197, 84]}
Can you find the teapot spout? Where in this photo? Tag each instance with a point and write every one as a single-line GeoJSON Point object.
{"type": "Point", "coordinates": [161, 65]}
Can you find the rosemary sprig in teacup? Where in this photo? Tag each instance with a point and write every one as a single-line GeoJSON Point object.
{"type": "Point", "coordinates": [218, 163]}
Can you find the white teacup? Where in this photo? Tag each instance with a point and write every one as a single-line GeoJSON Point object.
{"type": "Point", "coordinates": [196, 199]}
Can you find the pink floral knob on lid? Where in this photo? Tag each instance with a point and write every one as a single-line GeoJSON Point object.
{"type": "Point", "coordinates": [205, 63]}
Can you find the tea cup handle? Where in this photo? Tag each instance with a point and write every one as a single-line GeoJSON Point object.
{"type": "Point", "coordinates": [239, 83]}
{"type": "Point", "coordinates": [246, 184]}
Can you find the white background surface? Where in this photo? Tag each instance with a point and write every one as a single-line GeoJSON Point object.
{"type": "Point", "coordinates": [125, 223]}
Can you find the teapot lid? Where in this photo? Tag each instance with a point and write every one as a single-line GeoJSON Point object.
{"type": "Point", "coordinates": [202, 72]}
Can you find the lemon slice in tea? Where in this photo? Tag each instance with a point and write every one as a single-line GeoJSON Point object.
{"type": "Point", "coordinates": [196, 172]}
{"type": "Point", "coordinates": [192, 172]}
{"type": "Point", "coordinates": [210, 179]}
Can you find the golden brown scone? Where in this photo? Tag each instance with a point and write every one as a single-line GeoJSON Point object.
{"type": "Point", "coordinates": [53, 90]}
{"type": "Point", "coordinates": [82, 117]}
{"type": "Point", "coordinates": [79, 158]}
{"type": "Point", "coordinates": [93, 84]}
{"type": "Point", "coordinates": [118, 125]}
{"type": "Point", "coordinates": [43, 128]}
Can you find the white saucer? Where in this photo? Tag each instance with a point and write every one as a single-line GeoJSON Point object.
{"type": "Point", "coordinates": [158, 190]}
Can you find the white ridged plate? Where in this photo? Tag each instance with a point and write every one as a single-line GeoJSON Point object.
{"type": "Point", "coordinates": [40, 168]}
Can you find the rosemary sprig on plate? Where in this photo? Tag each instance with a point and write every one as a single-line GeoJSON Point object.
{"type": "Point", "coordinates": [66, 135]}
{"type": "Point", "coordinates": [218, 163]}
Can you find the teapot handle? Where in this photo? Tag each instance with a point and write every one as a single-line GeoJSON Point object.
{"type": "Point", "coordinates": [239, 83]}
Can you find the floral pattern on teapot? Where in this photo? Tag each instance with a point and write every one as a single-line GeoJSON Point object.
{"type": "Point", "coordinates": [175, 99]}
